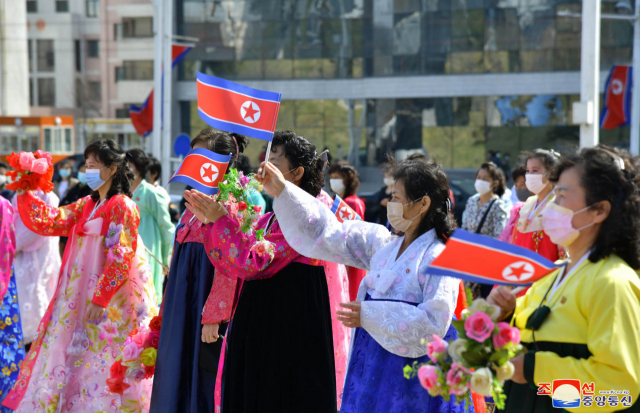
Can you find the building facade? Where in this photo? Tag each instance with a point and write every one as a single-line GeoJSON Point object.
{"type": "Point", "coordinates": [456, 78]}
{"type": "Point", "coordinates": [90, 59]}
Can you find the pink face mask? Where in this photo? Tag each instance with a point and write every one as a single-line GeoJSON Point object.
{"type": "Point", "coordinates": [556, 222]}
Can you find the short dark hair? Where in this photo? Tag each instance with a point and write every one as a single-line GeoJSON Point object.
{"type": "Point", "coordinates": [81, 164]}
{"type": "Point", "coordinates": [517, 172]}
{"type": "Point", "coordinates": [496, 175]}
{"type": "Point", "coordinates": [140, 160]}
{"type": "Point", "coordinates": [65, 163]}
{"type": "Point", "coordinates": [602, 179]}
{"type": "Point", "coordinates": [427, 178]}
{"type": "Point", "coordinates": [110, 153]}
{"type": "Point", "coordinates": [549, 158]}
{"type": "Point", "coordinates": [155, 167]}
{"type": "Point", "coordinates": [350, 176]}
{"type": "Point", "coordinates": [419, 156]}
{"type": "Point", "coordinates": [300, 152]}
{"type": "Point", "coordinates": [222, 143]}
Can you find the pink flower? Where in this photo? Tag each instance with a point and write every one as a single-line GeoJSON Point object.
{"type": "Point", "coordinates": [437, 346]}
{"type": "Point", "coordinates": [26, 159]}
{"type": "Point", "coordinates": [45, 155]}
{"type": "Point", "coordinates": [506, 335]}
{"type": "Point", "coordinates": [109, 330]}
{"type": "Point", "coordinates": [456, 380]}
{"type": "Point", "coordinates": [135, 373]}
{"type": "Point", "coordinates": [153, 339]}
{"type": "Point", "coordinates": [428, 376]}
{"type": "Point", "coordinates": [39, 166]}
{"type": "Point", "coordinates": [139, 339]}
{"type": "Point", "coordinates": [131, 352]}
{"type": "Point", "coordinates": [479, 327]}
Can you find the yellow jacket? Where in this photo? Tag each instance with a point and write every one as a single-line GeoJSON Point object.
{"type": "Point", "coordinates": [597, 306]}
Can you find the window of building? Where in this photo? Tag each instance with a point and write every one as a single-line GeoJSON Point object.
{"type": "Point", "coordinates": [62, 6]}
{"type": "Point", "coordinates": [32, 6]}
{"type": "Point", "coordinates": [46, 60]}
{"type": "Point", "coordinates": [137, 27]}
{"type": "Point", "coordinates": [30, 46]}
{"type": "Point", "coordinates": [93, 8]}
{"type": "Point", "coordinates": [78, 56]}
{"type": "Point", "coordinates": [46, 91]}
{"type": "Point", "coordinates": [93, 48]}
{"type": "Point", "coordinates": [31, 93]}
{"type": "Point", "coordinates": [135, 70]}
{"type": "Point", "coordinates": [94, 90]}
{"type": "Point", "coordinates": [123, 112]}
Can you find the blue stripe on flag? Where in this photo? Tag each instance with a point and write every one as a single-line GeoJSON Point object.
{"type": "Point", "coordinates": [486, 242]}
{"type": "Point", "coordinates": [336, 204]}
{"type": "Point", "coordinates": [180, 57]}
{"type": "Point", "coordinates": [216, 157]}
{"type": "Point", "coordinates": [627, 96]}
{"type": "Point", "coordinates": [194, 184]}
{"type": "Point", "coordinates": [237, 88]}
{"type": "Point", "coordinates": [236, 128]}
{"type": "Point", "coordinates": [605, 108]}
{"type": "Point", "coordinates": [474, 278]}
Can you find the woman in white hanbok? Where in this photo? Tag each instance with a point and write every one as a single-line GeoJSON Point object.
{"type": "Point", "coordinates": [398, 302]}
{"type": "Point", "coordinates": [36, 266]}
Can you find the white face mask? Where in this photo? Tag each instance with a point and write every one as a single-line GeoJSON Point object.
{"type": "Point", "coordinates": [337, 185]}
{"type": "Point", "coordinates": [388, 181]}
{"type": "Point", "coordinates": [482, 186]}
{"type": "Point", "coordinates": [3, 179]}
{"type": "Point", "coordinates": [395, 215]}
{"type": "Point", "coordinates": [534, 183]}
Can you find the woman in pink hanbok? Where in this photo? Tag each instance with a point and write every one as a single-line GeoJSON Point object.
{"type": "Point", "coordinates": [104, 291]}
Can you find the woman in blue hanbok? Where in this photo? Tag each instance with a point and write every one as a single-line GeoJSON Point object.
{"type": "Point", "coordinates": [398, 304]}
{"type": "Point", "coordinates": [11, 341]}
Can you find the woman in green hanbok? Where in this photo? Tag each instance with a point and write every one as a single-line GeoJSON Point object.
{"type": "Point", "coordinates": [156, 228]}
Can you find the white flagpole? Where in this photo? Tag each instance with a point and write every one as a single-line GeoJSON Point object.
{"type": "Point", "coordinates": [266, 159]}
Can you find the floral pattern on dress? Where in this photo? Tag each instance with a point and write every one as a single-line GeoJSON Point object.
{"type": "Point", "coordinates": [11, 339]}
{"type": "Point", "coordinates": [496, 219]}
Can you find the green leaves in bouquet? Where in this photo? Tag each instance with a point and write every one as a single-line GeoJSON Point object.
{"type": "Point", "coordinates": [499, 398]}
{"type": "Point", "coordinates": [459, 326]}
{"type": "Point", "coordinates": [500, 357]}
{"type": "Point", "coordinates": [412, 370]}
{"type": "Point", "coordinates": [260, 235]}
{"type": "Point", "coordinates": [477, 354]}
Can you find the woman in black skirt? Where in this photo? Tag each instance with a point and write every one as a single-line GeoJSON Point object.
{"type": "Point", "coordinates": [279, 355]}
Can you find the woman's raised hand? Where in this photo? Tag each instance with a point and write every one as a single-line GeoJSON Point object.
{"type": "Point", "coordinates": [204, 207]}
{"type": "Point", "coordinates": [273, 181]}
{"type": "Point", "coordinates": [503, 298]}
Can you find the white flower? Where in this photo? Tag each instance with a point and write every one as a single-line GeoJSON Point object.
{"type": "Point", "coordinates": [456, 348]}
{"type": "Point", "coordinates": [481, 305]}
{"type": "Point", "coordinates": [505, 372]}
{"type": "Point", "coordinates": [481, 381]}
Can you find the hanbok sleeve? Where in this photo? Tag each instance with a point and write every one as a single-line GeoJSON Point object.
{"type": "Point", "coordinates": [158, 205]}
{"type": "Point", "coordinates": [613, 311]}
{"type": "Point", "coordinates": [7, 245]}
{"type": "Point", "coordinates": [120, 245]}
{"type": "Point", "coordinates": [314, 231]}
{"type": "Point", "coordinates": [232, 252]}
{"type": "Point", "coordinates": [44, 219]}
{"type": "Point", "coordinates": [218, 307]}
{"type": "Point", "coordinates": [400, 327]}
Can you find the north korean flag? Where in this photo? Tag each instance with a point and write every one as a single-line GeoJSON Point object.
{"type": "Point", "coordinates": [343, 211]}
{"type": "Point", "coordinates": [616, 110]}
{"type": "Point", "coordinates": [142, 116]}
{"type": "Point", "coordinates": [231, 107]}
{"type": "Point", "coordinates": [484, 260]}
{"type": "Point", "coordinates": [202, 170]}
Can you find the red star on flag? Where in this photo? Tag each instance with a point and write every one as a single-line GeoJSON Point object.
{"type": "Point", "coordinates": [250, 111]}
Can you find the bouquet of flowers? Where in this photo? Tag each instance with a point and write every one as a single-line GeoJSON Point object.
{"type": "Point", "coordinates": [235, 194]}
{"type": "Point", "coordinates": [32, 172]}
{"type": "Point", "coordinates": [477, 361]}
{"type": "Point", "coordinates": [138, 358]}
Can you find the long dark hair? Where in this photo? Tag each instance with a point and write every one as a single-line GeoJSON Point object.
{"type": "Point", "coordinates": [496, 175]}
{"type": "Point", "coordinates": [350, 176]}
{"type": "Point", "coordinates": [222, 143]}
{"type": "Point", "coordinates": [420, 178]}
{"type": "Point", "coordinates": [604, 178]}
{"type": "Point", "coordinates": [110, 153]}
{"type": "Point", "coordinates": [141, 161]}
{"type": "Point", "coordinates": [300, 152]}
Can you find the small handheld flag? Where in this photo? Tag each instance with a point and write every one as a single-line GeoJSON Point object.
{"type": "Point", "coordinates": [235, 108]}
{"type": "Point", "coordinates": [142, 116]}
{"type": "Point", "coordinates": [202, 170]}
{"type": "Point", "coordinates": [616, 110]}
{"type": "Point", "coordinates": [343, 211]}
{"type": "Point", "coordinates": [484, 260]}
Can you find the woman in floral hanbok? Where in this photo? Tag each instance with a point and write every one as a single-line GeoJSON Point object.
{"type": "Point", "coordinates": [399, 304]}
{"type": "Point", "coordinates": [11, 341]}
{"type": "Point", "coordinates": [104, 292]}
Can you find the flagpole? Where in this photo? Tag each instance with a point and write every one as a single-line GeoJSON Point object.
{"type": "Point", "coordinates": [167, 48]}
{"type": "Point", "coordinates": [266, 159]}
{"type": "Point", "coordinates": [157, 80]}
{"type": "Point", "coordinates": [634, 144]}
